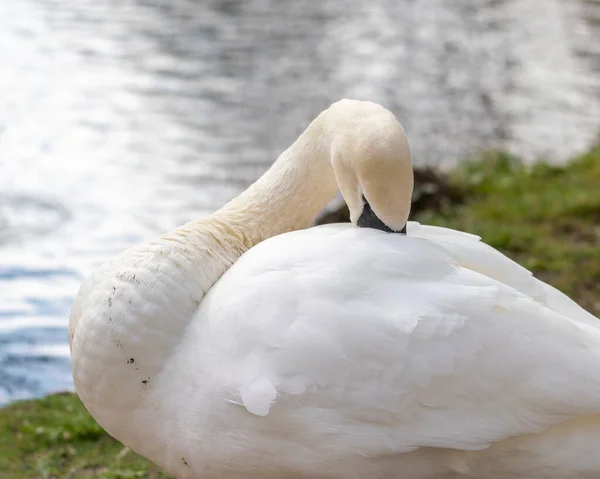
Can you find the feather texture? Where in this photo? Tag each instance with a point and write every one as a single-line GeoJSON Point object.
{"type": "Point", "coordinates": [360, 343]}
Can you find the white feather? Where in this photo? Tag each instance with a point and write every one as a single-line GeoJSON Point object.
{"type": "Point", "coordinates": [369, 344]}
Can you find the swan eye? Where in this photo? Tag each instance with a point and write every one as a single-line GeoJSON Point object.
{"type": "Point", "coordinates": [368, 219]}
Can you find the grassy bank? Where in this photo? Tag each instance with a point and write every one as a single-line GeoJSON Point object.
{"type": "Point", "coordinates": [55, 437]}
{"type": "Point", "coordinates": [546, 218]}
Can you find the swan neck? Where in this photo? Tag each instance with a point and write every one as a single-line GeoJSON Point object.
{"type": "Point", "coordinates": [289, 195]}
{"type": "Point", "coordinates": [130, 315]}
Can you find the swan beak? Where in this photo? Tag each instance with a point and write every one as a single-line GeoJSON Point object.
{"type": "Point", "coordinates": [368, 219]}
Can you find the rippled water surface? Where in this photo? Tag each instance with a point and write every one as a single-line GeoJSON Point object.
{"type": "Point", "coordinates": [122, 119]}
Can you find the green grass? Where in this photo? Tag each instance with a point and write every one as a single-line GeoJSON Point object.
{"type": "Point", "coordinates": [55, 437]}
{"type": "Point", "coordinates": [544, 217]}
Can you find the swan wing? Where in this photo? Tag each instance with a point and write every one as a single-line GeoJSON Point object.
{"type": "Point", "coordinates": [379, 343]}
{"type": "Point", "coordinates": [470, 252]}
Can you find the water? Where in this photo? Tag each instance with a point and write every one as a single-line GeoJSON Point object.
{"type": "Point", "coordinates": [122, 119]}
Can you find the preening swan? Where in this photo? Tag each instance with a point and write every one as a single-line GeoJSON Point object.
{"type": "Point", "coordinates": [247, 345]}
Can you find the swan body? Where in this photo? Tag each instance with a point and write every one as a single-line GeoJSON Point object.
{"type": "Point", "coordinates": [243, 345]}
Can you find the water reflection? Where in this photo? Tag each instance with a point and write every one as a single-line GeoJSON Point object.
{"type": "Point", "coordinates": [120, 120]}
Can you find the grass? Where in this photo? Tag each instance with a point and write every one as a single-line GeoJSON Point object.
{"type": "Point", "coordinates": [55, 437]}
{"type": "Point", "coordinates": [546, 218]}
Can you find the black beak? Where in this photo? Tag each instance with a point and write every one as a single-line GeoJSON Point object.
{"type": "Point", "coordinates": [368, 219]}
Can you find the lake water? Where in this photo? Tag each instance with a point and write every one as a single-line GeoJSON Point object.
{"type": "Point", "coordinates": [122, 119]}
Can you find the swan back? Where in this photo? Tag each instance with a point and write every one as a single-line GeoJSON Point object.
{"type": "Point", "coordinates": [373, 335]}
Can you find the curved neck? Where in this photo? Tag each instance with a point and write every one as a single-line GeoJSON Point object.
{"type": "Point", "coordinates": [130, 314]}
{"type": "Point", "coordinates": [288, 196]}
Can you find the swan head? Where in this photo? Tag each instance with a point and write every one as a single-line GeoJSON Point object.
{"type": "Point", "coordinates": [371, 162]}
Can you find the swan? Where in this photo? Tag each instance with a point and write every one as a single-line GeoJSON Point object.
{"type": "Point", "coordinates": [248, 345]}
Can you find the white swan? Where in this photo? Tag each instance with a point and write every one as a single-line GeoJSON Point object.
{"type": "Point", "coordinates": [337, 351]}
